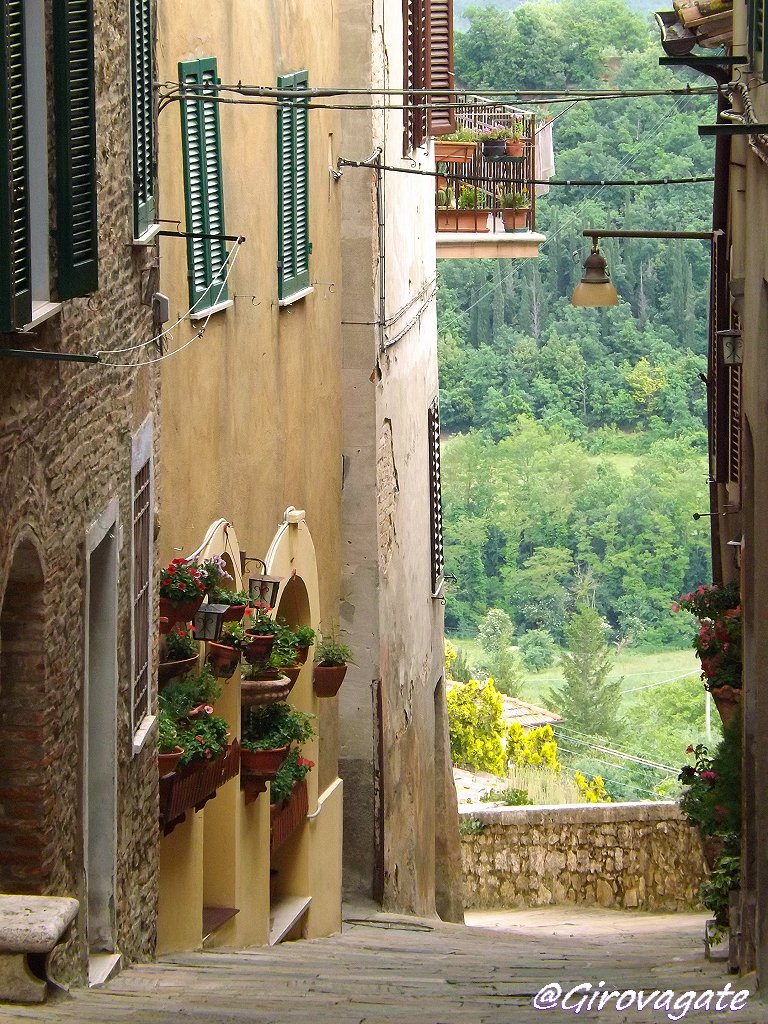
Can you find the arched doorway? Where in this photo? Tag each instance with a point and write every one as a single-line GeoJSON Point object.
{"type": "Point", "coordinates": [24, 789]}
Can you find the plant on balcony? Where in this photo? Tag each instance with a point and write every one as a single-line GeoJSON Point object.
{"type": "Point", "coordinates": [718, 641]}
{"type": "Point", "coordinates": [515, 206]}
{"type": "Point", "coordinates": [493, 138]}
{"type": "Point", "coordinates": [457, 148]}
{"type": "Point", "coordinates": [444, 198]}
{"type": "Point", "coordinates": [515, 145]}
{"type": "Point", "coordinates": [331, 657]}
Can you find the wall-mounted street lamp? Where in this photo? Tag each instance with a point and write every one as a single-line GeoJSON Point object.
{"type": "Point", "coordinates": [596, 287]}
{"type": "Point", "coordinates": [209, 620]}
{"type": "Point", "coordinates": [733, 346]}
{"type": "Point", "coordinates": [263, 587]}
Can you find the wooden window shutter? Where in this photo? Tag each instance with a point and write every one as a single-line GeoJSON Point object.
{"type": "Point", "coordinates": [203, 183]}
{"type": "Point", "coordinates": [439, 49]}
{"type": "Point", "coordinates": [293, 246]}
{"type": "Point", "coordinates": [75, 107]}
{"type": "Point", "coordinates": [435, 497]}
{"type": "Point", "coordinates": [143, 119]}
{"type": "Point", "coordinates": [15, 276]}
{"type": "Point", "coordinates": [414, 72]}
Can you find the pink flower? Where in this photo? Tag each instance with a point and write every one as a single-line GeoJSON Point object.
{"type": "Point", "coordinates": [689, 749]}
{"type": "Point", "coordinates": [709, 776]}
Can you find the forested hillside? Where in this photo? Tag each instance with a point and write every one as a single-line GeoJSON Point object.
{"type": "Point", "coordinates": [577, 452]}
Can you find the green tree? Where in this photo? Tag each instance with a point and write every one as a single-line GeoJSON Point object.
{"type": "Point", "coordinates": [589, 701]}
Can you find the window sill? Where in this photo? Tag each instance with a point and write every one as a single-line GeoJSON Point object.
{"type": "Point", "coordinates": [42, 311]}
{"type": "Point", "coordinates": [296, 297]}
{"type": "Point", "coordinates": [201, 314]}
{"type": "Point", "coordinates": [148, 238]}
{"type": "Point", "coordinates": [142, 733]}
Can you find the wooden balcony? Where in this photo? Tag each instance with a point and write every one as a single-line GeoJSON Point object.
{"type": "Point", "coordinates": [469, 213]}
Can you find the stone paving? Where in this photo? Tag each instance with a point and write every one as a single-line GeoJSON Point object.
{"type": "Point", "coordinates": [385, 969]}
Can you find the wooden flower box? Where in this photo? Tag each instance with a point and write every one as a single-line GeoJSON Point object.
{"type": "Point", "coordinates": [193, 786]}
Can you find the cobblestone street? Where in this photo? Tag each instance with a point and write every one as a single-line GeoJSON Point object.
{"type": "Point", "coordinates": [408, 971]}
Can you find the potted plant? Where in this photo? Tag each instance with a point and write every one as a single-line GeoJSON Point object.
{"type": "Point", "coordinates": [214, 575]}
{"type": "Point", "coordinates": [331, 657]}
{"type": "Point", "coordinates": [515, 207]}
{"type": "Point", "coordinates": [446, 218]}
{"type": "Point", "coordinates": [169, 750]}
{"type": "Point", "coordinates": [493, 138]}
{"type": "Point", "coordinates": [305, 637]}
{"type": "Point", "coordinates": [237, 600]}
{"type": "Point", "coordinates": [456, 148]}
{"type": "Point", "coordinates": [223, 655]}
{"type": "Point", "coordinates": [261, 629]}
{"type": "Point", "coordinates": [267, 735]}
{"type": "Point", "coordinates": [718, 641]}
{"type": "Point", "coordinates": [181, 652]}
{"type": "Point", "coordinates": [472, 213]}
{"type": "Point", "coordinates": [515, 143]}
{"type": "Point", "coordinates": [181, 593]}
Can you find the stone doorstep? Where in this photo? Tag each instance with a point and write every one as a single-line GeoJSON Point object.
{"type": "Point", "coordinates": [30, 925]}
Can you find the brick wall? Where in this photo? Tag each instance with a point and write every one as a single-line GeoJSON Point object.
{"type": "Point", "coordinates": [65, 450]}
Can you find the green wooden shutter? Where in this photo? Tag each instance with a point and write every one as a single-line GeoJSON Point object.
{"type": "Point", "coordinates": [15, 270]}
{"type": "Point", "coordinates": [203, 183]}
{"type": "Point", "coordinates": [293, 246]}
{"type": "Point", "coordinates": [75, 108]}
{"type": "Point", "coordinates": [143, 123]}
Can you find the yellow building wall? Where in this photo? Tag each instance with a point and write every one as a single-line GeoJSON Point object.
{"type": "Point", "coordinates": [251, 424]}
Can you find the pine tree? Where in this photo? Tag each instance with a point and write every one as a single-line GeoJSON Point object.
{"type": "Point", "coordinates": [589, 701]}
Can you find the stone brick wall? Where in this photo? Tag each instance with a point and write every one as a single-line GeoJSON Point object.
{"type": "Point", "coordinates": [65, 451]}
{"type": "Point", "coordinates": [643, 856]}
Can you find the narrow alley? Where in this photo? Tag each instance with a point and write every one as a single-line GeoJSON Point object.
{"type": "Point", "coordinates": [384, 968]}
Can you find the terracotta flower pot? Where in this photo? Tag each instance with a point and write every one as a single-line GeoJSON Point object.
{"type": "Point", "coordinates": [292, 671]}
{"type": "Point", "coordinates": [259, 647]}
{"type": "Point", "coordinates": [223, 658]}
{"type": "Point", "coordinates": [328, 679]}
{"type": "Point", "coordinates": [262, 762]}
{"type": "Point", "coordinates": [302, 653]}
{"type": "Point", "coordinates": [168, 763]}
{"type": "Point", "coordinates": [515, 219]}
{"type": "Point", "coordinates": [515, 148]}
{"type": "Point", "coordinates": [171, 669]}
{"type": "Point", "coordinates": [178, 611]}
{"type": "Point", "coordinates": [235, 613]}
{"type": "Point", "coordinates": [264, 691]}
{"type": "Point", "coordinates": [727, 701]}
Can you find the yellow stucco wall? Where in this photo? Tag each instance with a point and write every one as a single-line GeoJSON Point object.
{"type": "Point", "coordinates": [251, 423]}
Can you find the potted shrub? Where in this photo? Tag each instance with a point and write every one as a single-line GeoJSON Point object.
{"type": "Point", "coordinates": [305, 637]}
{"type": "Point", "coordinates": [331, 657]}
{"type": "Point", "coordinates": [718, 642]}
{"type": "Point", "coordinates": [169, 750]}
{"type": "Point", "coordinates": [223, 655]}
{"type": "Point", "coordinates": [181, 593]}
{"type": "Point", "coordinates": [515, 207]}
{"type": "Point", "coordinates": [457, 148]}
{"type": "Point", "coordinates": [181, 653]}
{"type": "Point", "coordinates": [472, 213]}
{"type": "Point", "coordinates": [261, 629]}
{"type": "Point", "coordinates": [267, 735]}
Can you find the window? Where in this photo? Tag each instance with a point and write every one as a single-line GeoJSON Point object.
{"type": "Point", "coordinates": [435, 497]}
{"type": "Point", "coordinates": [427, 64]}
{"type": "Point", "coordinates": [293, 246]}
{"type": "Point", "coordinates": [142, 513]}
{"type": "Point", "coordinates": [143, 118]}
{"type": "Point", "coordinates": [203, 186]}
{"type": "Point", "coordinates": [25, 157]}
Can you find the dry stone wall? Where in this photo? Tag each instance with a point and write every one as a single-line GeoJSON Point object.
{"type": "Point", "coordinates": [636, 856]}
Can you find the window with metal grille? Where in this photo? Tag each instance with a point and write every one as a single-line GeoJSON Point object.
{"type": "Point", "coordinates": [203, 183]}
{"type": "Point", "coordinates": [143, 117]}
{"type": "Point", "coordinates": [293, 245]}
{"type": "Point", "coordinates": [734, 424]}
{"type": "Point", "coordinates": [427, 64]}
{"type": "Point", "coordinates": [435, 497]}
{"type": "Point", "coordinates": [142, 497]}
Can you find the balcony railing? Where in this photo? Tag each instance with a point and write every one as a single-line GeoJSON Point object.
{"type": "Point", "coordinates": [479, 194]}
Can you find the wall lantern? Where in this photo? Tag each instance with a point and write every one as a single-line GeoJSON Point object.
{"type": "Point", "coordinates": [596, 287]}
{"type": "Point", "coordinates": [209, 620]}
{"type": "Point", "coordinates": [263, 587]}
{"type": "Point", "coordinates": [733, 347]}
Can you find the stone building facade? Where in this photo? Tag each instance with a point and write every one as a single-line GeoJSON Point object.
{"type": "Point", "coordinates": [78, 792]}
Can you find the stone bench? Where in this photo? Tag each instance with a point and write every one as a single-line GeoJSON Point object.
{"type": "Point", "coordinates": [30, 927]}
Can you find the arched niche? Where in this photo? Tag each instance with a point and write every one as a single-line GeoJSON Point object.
{"type": "Point", "coordinates": [291, 555]}
{"type": "Point", "coordinates": [221, 539]}
{"type": "Point", "coordinates": [24, 790]}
